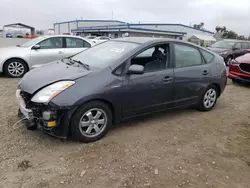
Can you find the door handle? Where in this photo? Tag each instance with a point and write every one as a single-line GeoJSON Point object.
{"type": "Point", "coordinates": [167, 79]}
{"type": "Point", "coordinates": [205, 72]}
{"type": "Point", "coordinates": [60, 52]}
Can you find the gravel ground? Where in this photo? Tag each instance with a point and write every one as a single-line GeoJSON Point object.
{"type": "Point", "coordinates": [183, 148]}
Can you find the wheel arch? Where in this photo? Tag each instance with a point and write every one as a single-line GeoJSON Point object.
{"type": "Point", "coordinates": [218, 88]}
{"type": "Point", "coordinates": [114, 110]}
{"type": "Point", "coordinates": [12, 58]}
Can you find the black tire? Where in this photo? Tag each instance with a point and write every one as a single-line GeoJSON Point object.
{"type": "Point", "coordinates": [20, 63]}
{"type": "Point", "coordinates": [76, 131]}
{"type": "Point", "coordinates": [235, 81]}
{"type": "Point", "coordinates": [201, 105]}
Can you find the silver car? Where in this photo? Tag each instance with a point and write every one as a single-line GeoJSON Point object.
{"type": "Point", "coordinates": [16, 61]}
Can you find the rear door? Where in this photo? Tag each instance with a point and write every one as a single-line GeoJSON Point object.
{"type": "Point", "coordinates": [74, 46]}
{"type": "Point", "coordinates": [191, 74]}
{"type": "Point", "coordinates": [51, 49]}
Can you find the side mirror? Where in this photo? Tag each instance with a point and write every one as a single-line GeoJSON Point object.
{"type": "Point", "coordinates": [135, 69]}
{"type": "Point", "coordinates": [36, 47]}
{"type": "Point", "coordinates": [235, 48]}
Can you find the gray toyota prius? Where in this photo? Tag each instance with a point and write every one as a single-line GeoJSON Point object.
{"type": "Point", "coordinates": [85, 94]}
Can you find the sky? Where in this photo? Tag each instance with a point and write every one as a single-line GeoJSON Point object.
{"type": "Point", "coordinates": [42, 14]}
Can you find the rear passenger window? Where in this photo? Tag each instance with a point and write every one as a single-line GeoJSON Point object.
{"type": "Point", "coordinates": [186, 56]}
{"type": "Point", "coordinates": [245, 46]}
{"type": "Point", "coordinates": [207, 56]}
{"type": "Point", "coordinates": [76, 43]}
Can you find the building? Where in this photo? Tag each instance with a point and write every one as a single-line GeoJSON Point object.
{"type": "Point", "coordinates": [115, 29]}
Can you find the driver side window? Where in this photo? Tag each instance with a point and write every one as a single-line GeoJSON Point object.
{"type": "Point", "coordinates": [51, 43]}
{"type": "Point", "coordinates": [153, 59]}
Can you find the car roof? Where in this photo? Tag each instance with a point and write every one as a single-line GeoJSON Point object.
{"type": "Point", "coordinates": [72, 36]}
{"type": "Point", "coordinates": [149, 40]}
{"type": "Point", "coordinates": [234, 40]}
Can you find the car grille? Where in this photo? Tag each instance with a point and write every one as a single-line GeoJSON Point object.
{"type": "Point", "coordinates": [245, 78]}
{"type": "Point", "coordinates": [245, 67]}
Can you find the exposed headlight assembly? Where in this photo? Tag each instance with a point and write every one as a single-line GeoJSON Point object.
{"type": "Point", "coordinates": [48, 93]}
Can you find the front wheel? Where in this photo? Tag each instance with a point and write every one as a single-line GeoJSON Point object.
{"type": "Point", "coordinates": [209, 99]}
{"type": "Point", "coordinates": [15, 68]}
{"type": "Point", "coordinates": [91, 122]}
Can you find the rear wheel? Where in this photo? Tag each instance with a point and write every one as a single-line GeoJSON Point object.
{"type": "Point", "coordinates": [209, 99]}
{"type": "Point", "coordinates": [91, 122]}
{"type": "Point", "coordinates": [15, 68]}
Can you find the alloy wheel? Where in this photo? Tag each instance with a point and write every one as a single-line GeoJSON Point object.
{"type": "Point", "coordinates": [93, 122]}
{"type": "Point", "coordinates": [210, 98]}
{"type": "Point", "coordinates": [16, 69]}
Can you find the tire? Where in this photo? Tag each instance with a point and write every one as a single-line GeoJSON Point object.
{"type": "Point", "coordinates": [15, 68]}
{"type": "Point", "coordinates": [84, 128]}
{"type": "Point", "coordinates": [235, 81]}
{"type": "Point", "coordinates": [210, 101]}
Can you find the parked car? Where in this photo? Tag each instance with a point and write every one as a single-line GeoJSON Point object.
{"type": "Point", "coordinates": [230, 49]}
{"type": "Point", "coordinates": [16, 61]}
{"type": "Point", "coordinates": [90, 37]}
{"type": "Point", "coordinates": [239, 70]}
{"type": "Point", "coordinates": [88, 92]}
{"type": "Point", "coordinates": [100, 39]}
{"type": "Point", "coordinates": [9, 35]}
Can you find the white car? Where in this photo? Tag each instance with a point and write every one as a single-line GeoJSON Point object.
{"type": "Point", "coordinates": [100, 39]}
{"type": "Point", "coordinates": [17, 60]}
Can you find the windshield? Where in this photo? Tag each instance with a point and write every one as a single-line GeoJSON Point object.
{"type": "Point", "coordinates": [223, 44]}
{"type": "Point", "coordinates": [32, 42]}
{"type": "Point", "coordinates": [104, 54]}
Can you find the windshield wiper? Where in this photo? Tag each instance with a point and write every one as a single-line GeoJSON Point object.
{"type": "Point", "coordinates": [86, 66]}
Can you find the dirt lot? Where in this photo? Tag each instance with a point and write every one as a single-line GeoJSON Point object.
{"type": "Point", "coordinates": [183, 148]}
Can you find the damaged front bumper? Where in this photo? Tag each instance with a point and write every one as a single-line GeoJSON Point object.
{"type": "Point", "coordinates": [48, 118]}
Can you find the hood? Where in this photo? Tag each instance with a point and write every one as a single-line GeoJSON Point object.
{"type": "Point", "coordinates": [11, 50]}
{"type": "Point", "coordinates": [48, 74]}
{"type": "Point", "coordinates": [218, 50]}
{"type": "Point", "coordinates": [244, 59]}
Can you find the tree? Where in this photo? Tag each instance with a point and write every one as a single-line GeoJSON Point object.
{"type": "Point", "coordinates": [218, 29]}
{"type": "Point", "coordinates": [198, 26]}
{"type": "Point", "coordinates": [248, 38]}
{"type": "Point", "coordinates": [230, 35]}
{"type": "Point", "coordinates": [241, 37]}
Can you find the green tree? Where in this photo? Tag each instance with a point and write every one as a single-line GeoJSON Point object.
{"type": "Point", "coordinates": [241, 37]}
{"type": "Point", "coordinates": [229, 35]}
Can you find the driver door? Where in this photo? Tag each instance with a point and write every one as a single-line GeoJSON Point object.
{"type": "Point", "coordinates": [51, 49]}
{"type": "Point", "coordinates": [150, 91]}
